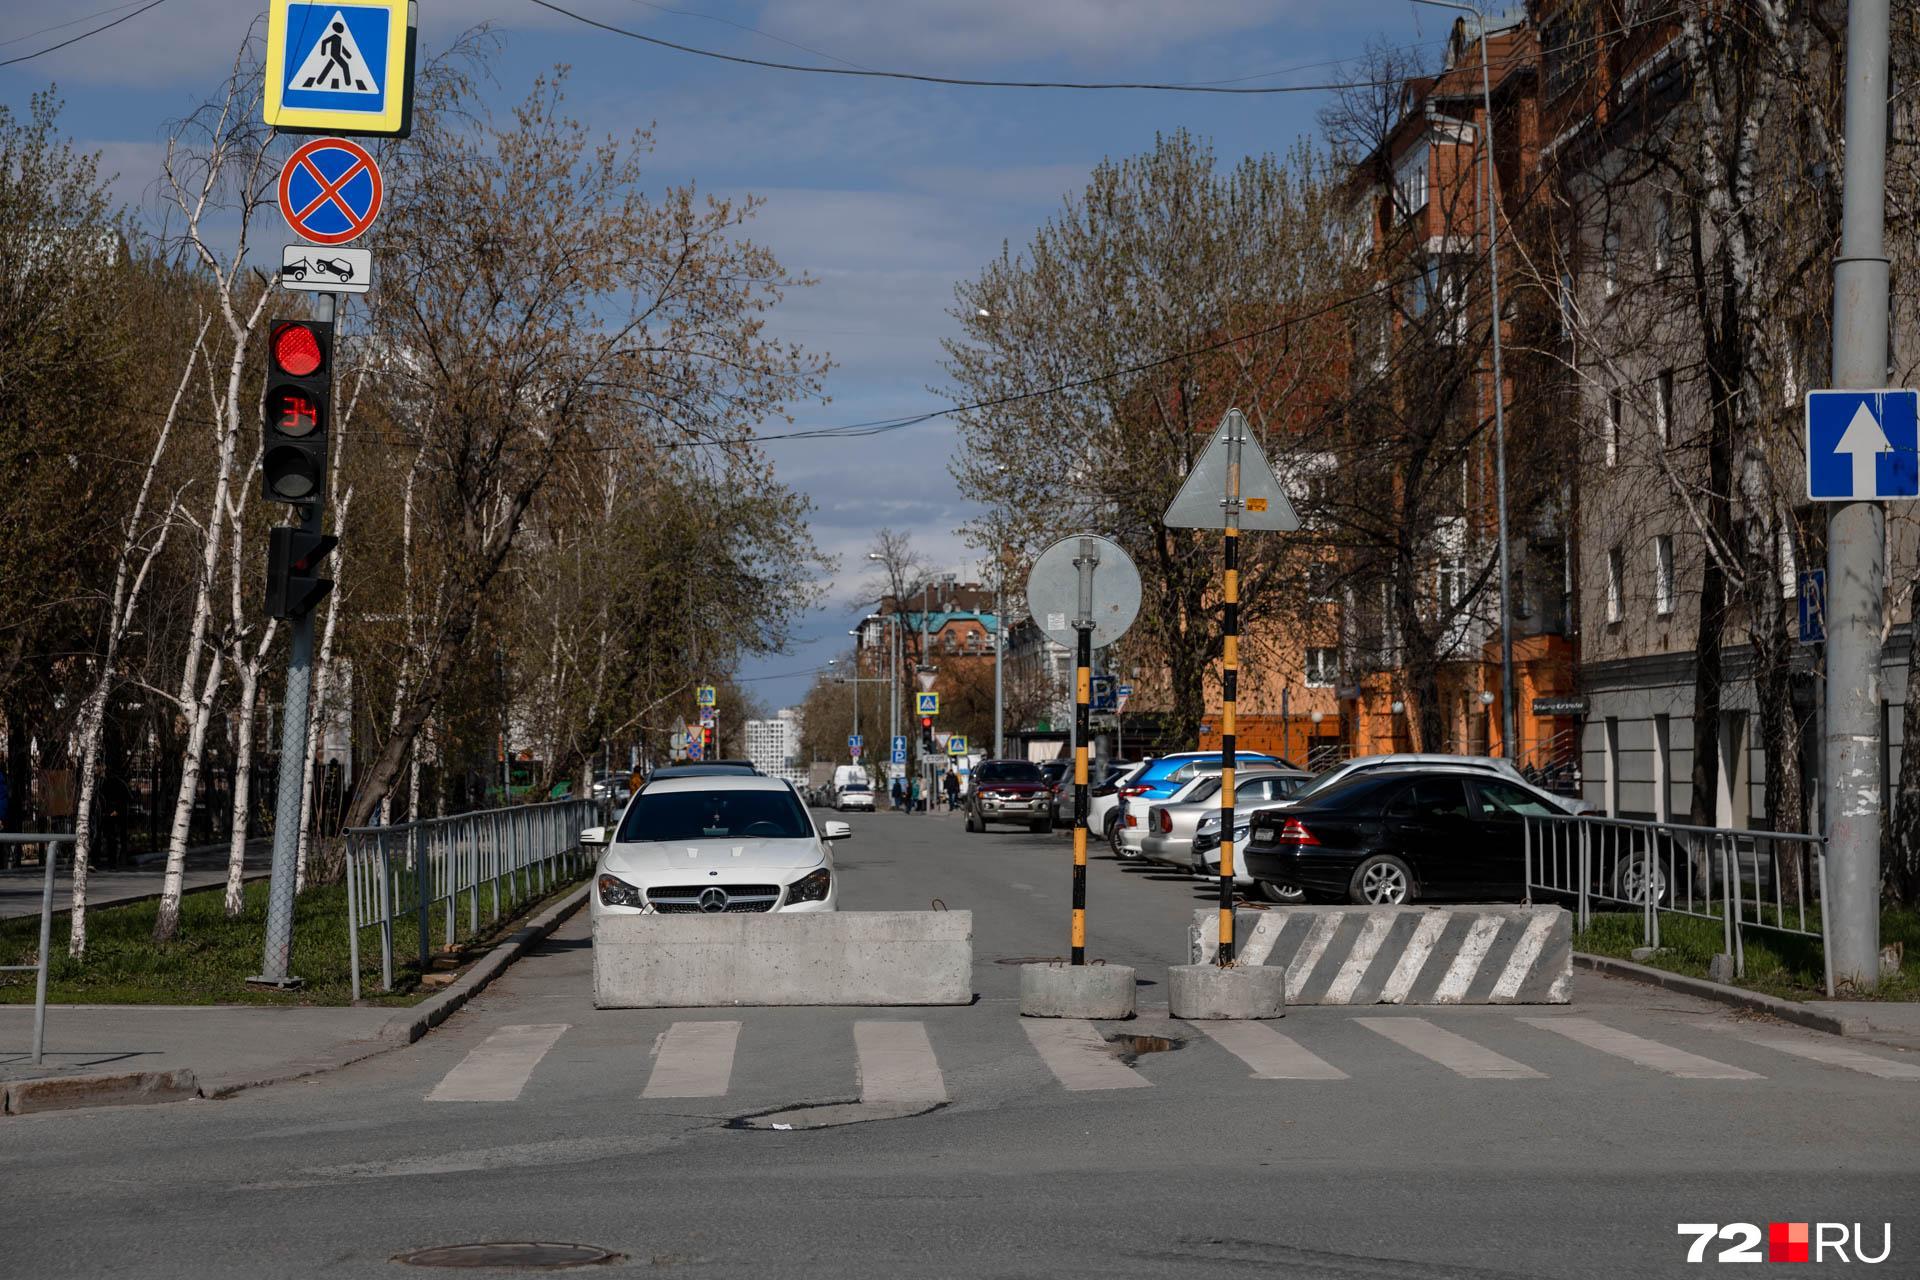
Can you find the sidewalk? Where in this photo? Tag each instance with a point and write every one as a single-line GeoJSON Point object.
{"type": "Point", "coordinates": [106, 1055]}
{"type": "Point", "coordinates": [225, 1046]}
{"type": "Point", "coordinates": [20, 887]}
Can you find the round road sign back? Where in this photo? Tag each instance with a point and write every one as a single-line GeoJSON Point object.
{"type": "Point", "coordinates": [1053, 589]}
{"type": "Point", "coordinates": [330, 191]}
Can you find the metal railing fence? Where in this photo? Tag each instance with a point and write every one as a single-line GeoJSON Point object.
{"type": "Point", "coordinates": [1770, 880]}
{"type": "Point", "coordinates": [50, 856]}
{"type": "Point", "coordinates": [425, 868]}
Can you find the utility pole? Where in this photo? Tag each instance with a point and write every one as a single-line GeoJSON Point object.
{"type": "Point", "coordinates": [999, 661]}
{"type": "Point", "coordinates": [1856, 531]}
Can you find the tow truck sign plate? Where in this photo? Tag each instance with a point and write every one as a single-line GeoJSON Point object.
{"type": "Point", "coordinates": [317, 270]}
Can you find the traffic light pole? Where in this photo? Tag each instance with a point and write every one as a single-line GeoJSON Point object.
{"type": "Point", "coordinates": [293, 767]}
{"type": "Point", "coordinates": [1856, 531]}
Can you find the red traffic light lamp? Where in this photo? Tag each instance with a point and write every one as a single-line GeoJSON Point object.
{"type": "Point", "coordinates": [296, 411]}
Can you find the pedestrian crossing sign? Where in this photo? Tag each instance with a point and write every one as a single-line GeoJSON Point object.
{"type": "Point", "coordinates": [926, 704]}
{"type": "Point", "coordinates": [344, 67]}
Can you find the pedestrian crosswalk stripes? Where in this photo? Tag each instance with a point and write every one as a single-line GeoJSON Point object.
{"type": "Point", "coordinates": [1078, 1055]}
{"type": "Point", "coordinates": [694, 1060]}
{"type": "Point", "coordinates": [1648, 1053]}
{"type": "Point", "coordinates": [499, 1067]}
{"type": "Point", "coordinates": [900, 1060]}
{"type": "Point", "coordinates": [897, 1063]}
{"type": "Point", "coordinates": [1272, 1056]}
{"type": "Point", "coordinates": [1821, 1049]}
{"type": "Point", "coordinates": [1454, 1052]}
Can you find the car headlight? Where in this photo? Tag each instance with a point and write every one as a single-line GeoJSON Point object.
{"type": "Point", "coordinates": [615, 892]}
{"type": "Point", "coordinates": [812, 887]}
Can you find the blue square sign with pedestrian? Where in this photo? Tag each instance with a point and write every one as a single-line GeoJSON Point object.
{"type": "Point", "coordinates": [344, 67]}
{"type": "Point", "coordinates": [1863, 446]}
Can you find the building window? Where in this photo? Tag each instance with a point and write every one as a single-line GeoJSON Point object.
{"type": "Point", "coordinates": [1663, 405]}
{"type": "Point", "coordinates": [1450, 537]}
{"type": "Point", "coordinates": [1322, 668]}
{"type": "Point", "coordinates": [1568, 310]}
{"type": "Point", "coordinates": [1663, 232]}
{"type": "Point", "coordinates": [1565, 54]}
{"type": "Point", "coordinates": [1616, 584]}
{"type": "Point", "coordinates": [1789, 567]}
{"type": "Point", "coordinates": [1410, 181]}
{"type": "Point", "coordinates": [1616, 409]}
{"type": "Point", "coordinates": [1610, 260]}
{"type": "Point", "coordinates": [1663, 574]}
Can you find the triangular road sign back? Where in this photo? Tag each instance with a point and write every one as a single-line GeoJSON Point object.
{"type": "Point", "coordinates": [335, 63]}
{"type": "Point", "coordinates": [1202, 500]}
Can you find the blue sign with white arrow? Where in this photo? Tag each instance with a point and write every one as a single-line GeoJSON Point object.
{"type": "Point", "coordinates": [900, 749]}
{"type": "Point", "coordinates": [1863, 445]}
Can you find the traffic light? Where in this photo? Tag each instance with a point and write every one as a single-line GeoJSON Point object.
{"type": "Point", "coordinates": [926, 733]}
{"type": "Point", "coordinates": [299, 392]}
{"type": "Point", "coordinates": [706, 739]}
{"type": "Point", "coordinates": [293, 588]}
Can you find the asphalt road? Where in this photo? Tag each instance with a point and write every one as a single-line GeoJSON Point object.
{"type": "Point", "coordinates": [1454, 1144]}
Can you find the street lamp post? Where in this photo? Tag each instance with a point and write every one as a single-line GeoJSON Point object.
{"type": "Point", "coordinates": [1499, 389]}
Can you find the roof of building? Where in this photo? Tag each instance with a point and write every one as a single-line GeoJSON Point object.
{"type": "Point", "coordinates": [937, 622]}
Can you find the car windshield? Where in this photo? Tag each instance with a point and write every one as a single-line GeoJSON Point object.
{"type": "Point", "coordinates": [715, 815]}
{"type": "Point", "coordinates": [1007, 771]}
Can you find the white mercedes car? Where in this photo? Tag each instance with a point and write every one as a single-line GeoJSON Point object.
{"type": "Point", "coordinates": [712, 845]}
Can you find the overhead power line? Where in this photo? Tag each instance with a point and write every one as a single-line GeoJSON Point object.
{"type": "Point", "coordinates": [962, 81]}
{"type": "Point", "coordinates": [27, 57]}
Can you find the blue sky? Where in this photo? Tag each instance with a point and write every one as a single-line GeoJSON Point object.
{"type": "Point", "coordinates": [886, 192]}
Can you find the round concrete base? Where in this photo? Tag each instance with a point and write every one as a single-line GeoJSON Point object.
{"type": "Point", "coordinates": [1103, 991]}
{"type": "Point", "coordinates": [1205, 991]}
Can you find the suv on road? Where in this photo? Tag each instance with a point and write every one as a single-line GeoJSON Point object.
{"type": "Point", "coordinates": [1009, 791]}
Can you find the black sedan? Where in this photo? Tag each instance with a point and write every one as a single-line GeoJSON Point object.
{"type": "Point", "coordinates": [1389, 838]}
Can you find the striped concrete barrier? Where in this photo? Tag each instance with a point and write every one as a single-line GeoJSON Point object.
{"type": "Point", "coordinates": [1403, 955]}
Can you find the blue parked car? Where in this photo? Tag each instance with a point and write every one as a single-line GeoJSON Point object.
{"type": "Point", "coordinates": [1158, 781]}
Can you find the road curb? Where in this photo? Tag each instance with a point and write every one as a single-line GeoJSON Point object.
{"type": "Point", "coordinates": [410, 1024]}
{"type": "Point", "coordinates": [66, 1093]}
{"type": "Point", "coordinates": [1737, 997]}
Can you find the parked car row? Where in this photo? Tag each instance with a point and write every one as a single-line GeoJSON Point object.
{"type": "Point", "coordinates": [1383, 830]}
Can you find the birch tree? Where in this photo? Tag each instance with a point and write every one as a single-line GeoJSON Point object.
{"type": "Point", "coordinates": [217, 167]}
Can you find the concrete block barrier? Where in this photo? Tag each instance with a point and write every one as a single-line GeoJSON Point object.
{"type": "Point", "coordinates": [830, 958]}
{"type": "Point", "coordinates": [1466, 954]}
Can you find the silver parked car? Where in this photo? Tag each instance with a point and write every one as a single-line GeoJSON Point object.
{"type": "Point", "coordinates": [1171, 824]}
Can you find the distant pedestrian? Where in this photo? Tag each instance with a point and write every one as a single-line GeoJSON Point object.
{"type": "Point", "coordinates": [953, 790]}
{"type": "Point", "coordinates": [913, 797]}
{"type": "Point", "coordinates": [899, 795]}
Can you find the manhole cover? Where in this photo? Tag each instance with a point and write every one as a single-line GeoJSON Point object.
{"type": "Point", "coordinates": [529, 1255]}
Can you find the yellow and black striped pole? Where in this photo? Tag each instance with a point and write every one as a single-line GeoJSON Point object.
{"type": "Point", "coordinates": [1229, 685]}
{"type": "Point", "coordinates": [1082, 680]}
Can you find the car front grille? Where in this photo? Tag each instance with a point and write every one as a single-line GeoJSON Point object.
{"type": "Point", "coordinates": [713, 899]}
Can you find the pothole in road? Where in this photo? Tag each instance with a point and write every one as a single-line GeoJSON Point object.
{"type": "Point", "coordinates": [830, 1115]}
{"type": "Point", "coordinates": [524, 1255]}
{"type": "Point", "coordinates": [1128, 1048]}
